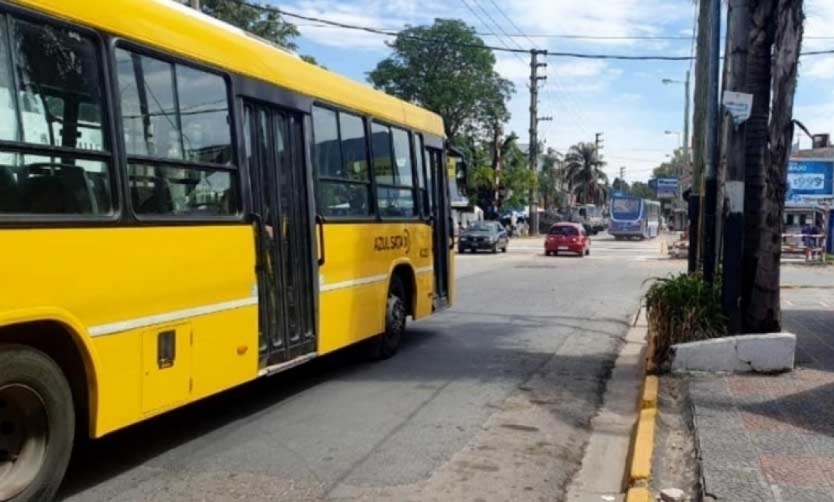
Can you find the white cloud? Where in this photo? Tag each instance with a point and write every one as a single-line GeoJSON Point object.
{"type": "Point", "coordinates": [583, 68]}
{"type": "Point", "coordinates": [612, 18]}
{"type": "Point", "coordinates": [819, 18]}
{"type": "Point", "coordinates": [818, 67]}
{"type": "Point", "coordinates": [512, 68]}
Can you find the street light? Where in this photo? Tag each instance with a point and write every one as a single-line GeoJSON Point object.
{"type": "Point", "coordinates": [678, 133]}
{"type": "Point", "coordinates": [686, 139]}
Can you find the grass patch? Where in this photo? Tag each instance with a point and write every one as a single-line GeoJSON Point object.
{"type": "Point", "coordinates": [682, 308]}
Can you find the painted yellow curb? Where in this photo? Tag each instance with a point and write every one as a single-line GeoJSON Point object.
{"type": "Point", "coordinates": [651, 387]}
{"type": "Point", "coordinates": [638, 495]}
{"type": "Point", "coordinates": [641, 460]}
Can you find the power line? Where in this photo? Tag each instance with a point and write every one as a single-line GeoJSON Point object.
{"type": "Point", "coordinates": [512, 23]}
{"type": "Point", "coordinates": [505, 47]}
{"type": "Point", "coordinates": [619, 57]}
{"type": "Point", "coordinates": [569, 36]}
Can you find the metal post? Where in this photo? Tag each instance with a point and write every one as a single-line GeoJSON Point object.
{"type": "Point", "coordinates": [195, 4]}
{"type": "Point", "coordinates": [712, 151]}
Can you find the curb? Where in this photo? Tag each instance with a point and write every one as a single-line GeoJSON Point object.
{"type": "Point", "coordinates": [640, 458]}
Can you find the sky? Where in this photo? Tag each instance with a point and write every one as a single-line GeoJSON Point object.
{"type": "Point", "coordinates": [625, 100]}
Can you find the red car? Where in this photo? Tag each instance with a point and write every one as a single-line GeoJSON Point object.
{"type": "Point", "coordinates": [567, 238]}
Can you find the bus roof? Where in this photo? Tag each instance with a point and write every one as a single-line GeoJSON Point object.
{"type": "Point", "coordinates": [175, 28]}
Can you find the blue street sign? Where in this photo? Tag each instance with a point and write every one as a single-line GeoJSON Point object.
{"type": "Point", "coordinates": [666, 188]}
{"type": "Point", "coordinates": [808, 179]}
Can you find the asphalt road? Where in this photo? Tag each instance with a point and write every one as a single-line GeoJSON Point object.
{"type": "Point", "coordinates": [488, 401]}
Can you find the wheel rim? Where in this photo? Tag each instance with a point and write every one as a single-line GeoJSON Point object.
{"type": "Point", "coordinates": [396, 316]}
{"type": "Point", "coordinates": [23, 438]}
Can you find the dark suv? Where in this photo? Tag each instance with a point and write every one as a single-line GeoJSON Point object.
{"type": "Point", "coordinates": [484, 236]}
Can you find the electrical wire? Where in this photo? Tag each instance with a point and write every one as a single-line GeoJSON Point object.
{"type": "Point", "coordinates": [620, 57]}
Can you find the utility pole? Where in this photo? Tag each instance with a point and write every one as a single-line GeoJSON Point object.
{"type": "Point", "coordinates": [712, 147]}
{"type": "Point", "coordinates": [535, 78]}
{"type": "Point", "coordinates": [195, 4]}
{"type": "Point", "coordinates": [686, 138]}
{"type": "Point", "coordinates": [597, 147]}
{"type": "Point", "coordinates": [497, 134]}
{"type": "Point", "coordinates": [734, 150]}
{"type": "Point", "coordinates": [698, 138]}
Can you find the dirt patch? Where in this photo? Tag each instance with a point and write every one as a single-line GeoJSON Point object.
{"type": "Point", "coordinates": [675, 460]}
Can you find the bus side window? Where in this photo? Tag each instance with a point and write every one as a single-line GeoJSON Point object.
{"type": "Point", "coordinates": [340, 156]}
{"type": "Point", "coordinates": [55, 99]}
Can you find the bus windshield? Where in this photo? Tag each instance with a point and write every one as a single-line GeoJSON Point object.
{"type": "Point", "coordinates": [625, 209]}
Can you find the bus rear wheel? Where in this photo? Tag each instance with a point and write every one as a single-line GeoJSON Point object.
{"type": "Point", "coordinates": [37, 425]}
{"type": "Point", "coordinates": [387, 344]}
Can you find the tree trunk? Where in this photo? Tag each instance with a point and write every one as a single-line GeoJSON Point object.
{"type": "Point", "coordinates": [733, 160]}
{"type": "Point", "coordinates": [758, 83]}
{"type": "Point", "coordinates": [699, 116]}
{"type": "Point", "coordinates": [764, 310]}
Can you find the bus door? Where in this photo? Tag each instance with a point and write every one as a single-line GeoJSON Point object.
{"type": "Point", "coordinates": [282, 214]}
{"type": "Point", "coordinates": [442, 229]}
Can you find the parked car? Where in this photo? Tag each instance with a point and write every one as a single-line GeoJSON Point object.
{"type": "Point", "coordinates": [484, 236]}
{"type": "Point", "coordinates": [567, 237]}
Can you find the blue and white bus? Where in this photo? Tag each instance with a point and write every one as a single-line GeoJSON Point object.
{"type": "Point", "coordinates": [634, 217]}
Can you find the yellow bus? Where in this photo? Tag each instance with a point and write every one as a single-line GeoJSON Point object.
{"type": "Point", "coordinates": [185, 208]}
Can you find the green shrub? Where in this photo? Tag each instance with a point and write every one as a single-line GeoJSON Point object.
{"type": "Point", "coordinates": [682, 308]}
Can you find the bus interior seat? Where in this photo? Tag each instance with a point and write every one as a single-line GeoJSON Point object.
{"type": "Point", "coordinates": [154, 199]}
{"type": "Point", "coordinates": [9, 191]}
{"type": "Point", "coordinates": [62, 190]}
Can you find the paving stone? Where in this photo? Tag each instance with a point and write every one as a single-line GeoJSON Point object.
{"type": "Point", "coordinates": [720, 447]}
{"type": "Point", "coordinates": [788, 443]}
{"type": "Point", "coordinates": [738, 485]}
{"type": "Point", "coordinates": [818, 444]}
{"type": "Point", "coordinates": [792, 470]}
{"type": "Point", "coordinates": [804, 494]}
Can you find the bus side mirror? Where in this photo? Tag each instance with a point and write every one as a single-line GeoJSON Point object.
{"type": "Point", "coordinates": [462, 177]}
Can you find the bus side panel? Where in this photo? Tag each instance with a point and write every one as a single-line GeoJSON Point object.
{"type": "Point", "coordinates": [128, 285]}
{"type": "Point", "coordinates": [354, 279]}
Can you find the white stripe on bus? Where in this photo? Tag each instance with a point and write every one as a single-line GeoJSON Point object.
{"type": "Point", "coordinates": [177, 315]}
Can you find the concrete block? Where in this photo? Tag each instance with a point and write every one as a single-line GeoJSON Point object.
{"type": "Point", "coordinates": [672, 495]}
{"type": "Point", "coordinates": [767, 353]}
{"type": "Point", "coordinates": [759, 353]}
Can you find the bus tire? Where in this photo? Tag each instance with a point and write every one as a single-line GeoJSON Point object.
{"type": "Point", "coordinates": [387, 344]}
{"type": "Point", "coordinates": [37, 424]}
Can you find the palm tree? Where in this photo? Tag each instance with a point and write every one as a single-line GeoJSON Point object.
{"type": "Point", "coordinates": [775, 42]}
{"type": "Point", "coordinates": [550, 179]}
{"type": "Point", "coordinates": [583, 173]}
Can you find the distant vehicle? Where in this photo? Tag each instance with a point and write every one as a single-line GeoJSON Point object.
{"type": "Point", "coordinates": [567, 237]}
{"type": "Point", "coordinates": [633, 217]}
{"type": "Point", "coordinates": [484, 236]}
{"type": "Point", "coordinates": [591, 216]}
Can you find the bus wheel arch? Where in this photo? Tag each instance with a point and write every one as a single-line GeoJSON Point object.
{"type": "Point", "coordinates": [62, 344]}
{"type": "Point", "coordinates": [405, 274]}
{"type": "Point", "coordinates": [399, 304]}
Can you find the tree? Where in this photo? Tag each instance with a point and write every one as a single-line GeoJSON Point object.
{"type": "Point", "coordinates": [550, 182]}
{"type": "Point", "coordinates": [775, 42]}
{"type": "Point", "coordinates": [455, 76]}
{"type": "Point", "coordinates": [262, 21]}
{"type": "Point", "coordinates": [676, 166]}
{"type": "Point", "coordinates": [516, 179]}
{"type": "Point", "coordinates": [265, 23]}
{"type": "Point", "coordinates": [312, 60]}
{"type": "Point", "coordinates": [620, 185]}
{"type": "Point", "coordinates": [584, 175]}
{"type": "Point", "coordinates": [642, 190]}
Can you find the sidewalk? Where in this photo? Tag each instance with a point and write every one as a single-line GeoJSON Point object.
{"type": "Point", "coordinates": [771, 438]}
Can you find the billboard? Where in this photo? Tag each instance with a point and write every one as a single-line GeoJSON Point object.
{"type": "Point", "coordinates": [809, 180]}
{"type": "Point", "coordinates": [666, 188]}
